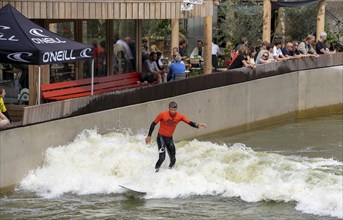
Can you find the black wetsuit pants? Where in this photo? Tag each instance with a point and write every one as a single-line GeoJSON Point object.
{"type": "Point", "coordinates": [165, 143]}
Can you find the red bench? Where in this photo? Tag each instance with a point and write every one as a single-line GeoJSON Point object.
{"type": "Point", "coordinates": [82, 87]}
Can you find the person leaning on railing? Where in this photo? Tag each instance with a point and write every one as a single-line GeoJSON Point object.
{"type": "Point", "coordinates": [288, 51]}
{"type": "Point", "coordinates": [277, 52]}
{"type": "Point", "coordinates": [306, 48]}
{"type": "Point", "coordinates": [242, 59]}
{"type": "Point", "coordinates": [321, 48]}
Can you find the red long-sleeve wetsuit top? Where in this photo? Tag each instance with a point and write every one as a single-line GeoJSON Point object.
{"type": "Point", "coordinates": [168, 122]}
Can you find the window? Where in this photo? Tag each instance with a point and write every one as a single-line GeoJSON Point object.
{"type": "Point", "coordinates": [94, 32]}
{"type": "Point", "coordinates": [124, 46]}
{"type": "Point", "coordinates": [64, 71]}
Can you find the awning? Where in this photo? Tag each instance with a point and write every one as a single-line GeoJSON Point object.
{"type": "Point", "coordinates": [283, 3]}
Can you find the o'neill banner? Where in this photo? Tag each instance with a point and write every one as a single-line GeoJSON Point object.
{"type": "Point", "coordinates": [23, 41]}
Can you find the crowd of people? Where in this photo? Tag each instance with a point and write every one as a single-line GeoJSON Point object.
{"type": "Point", "coordinates": [155, 67]}
{"type": "Point", "coordinates": [247, 56]}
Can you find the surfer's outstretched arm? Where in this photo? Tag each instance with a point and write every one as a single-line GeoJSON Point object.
{"type": "Point", "coordinates": [151, 129]}
{"type": "Point", "coordinates": [196, 125]}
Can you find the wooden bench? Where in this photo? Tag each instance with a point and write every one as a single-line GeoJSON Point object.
{"type": "Point", "coordinates": [82, 87]}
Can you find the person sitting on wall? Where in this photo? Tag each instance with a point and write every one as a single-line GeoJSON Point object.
{"type": "Point", "coordinates": [3, 108]}
{"type": "Point", "coordinates": [150, 71]}
{"type": "Point", "coordinates": [306, 48]}
{"type": "Point", "coordinates": [3, 121]}
{"type": "Point", "coordinates": [198, 50]}
{"type": "Point", "coordinates": [321, 48]}
{"type": "Point", "coordinates": [242, 59]}
{"type": "Point", "coordinates": [177, 70]}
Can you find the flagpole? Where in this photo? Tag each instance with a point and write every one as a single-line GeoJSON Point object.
{"type": "Point", "coordinates": [38, 92]}
{"type": "Point", "coordinates": [92, 84]}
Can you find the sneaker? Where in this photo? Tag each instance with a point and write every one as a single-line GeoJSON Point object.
{"type": "Point", "coordinates": [156, 170]}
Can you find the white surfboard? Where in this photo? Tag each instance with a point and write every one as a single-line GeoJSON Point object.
{"type": "Point", "coordinates": [133, 191]}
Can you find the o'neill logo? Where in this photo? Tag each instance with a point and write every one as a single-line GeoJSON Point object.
{"type": "Point", "coordinates": [84, 52]}
{"type": "Point", "coordinates": [37, 32]}
{"type": "Point", "coordinates": [17, 56]}
{"type": "Point", "coordinates": [40, 38]}
{"type": "Point", "coordinates": [3, 35]}
{"type": "Point", "coordinates": [62, 55]}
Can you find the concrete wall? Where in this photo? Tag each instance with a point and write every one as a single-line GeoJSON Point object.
{"type": "Point", "coordinates": [22, 149]}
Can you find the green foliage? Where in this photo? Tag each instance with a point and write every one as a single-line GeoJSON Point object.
{"type": "Point", "coordinates": [158, 29]}
{"type": "Point", "coordinates": [300, 21]}
{"type": "Point", "coordinates": [195, 72]}
{"type": "Point", "coordinates": [155, 28]}
{"type": "Point", "coordinates": [333, 37]}
{"type": "Point", "coordinates": [237, 19]}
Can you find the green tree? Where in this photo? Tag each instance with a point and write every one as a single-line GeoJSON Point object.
{"type": "Point", "coordinates": [155, 28]}
{"type": "Point", "coordinates": [159, 28]}
{"type": "Point", "coordinates": [300, 21]}
{"type": "Point", "coordinates": [237, 19]}
{"type": "Point", "coordinates": [333, 37]}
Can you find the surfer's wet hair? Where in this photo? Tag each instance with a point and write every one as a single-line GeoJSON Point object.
{"type": "Point", "coordinates": [172, 104]}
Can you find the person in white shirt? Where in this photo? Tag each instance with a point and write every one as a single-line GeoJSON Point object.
{"type": "Point", "coordinates": [277, 53]}
{"type": "Point", "coordinates": [127, 49]}
{"type": "Point", "coordinates": [215, 54]}
{"type": "Point", "coordinates": [198, 50]}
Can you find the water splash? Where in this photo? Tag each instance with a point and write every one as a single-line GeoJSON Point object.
{"type": "Point", "coordinates": [95, 163]}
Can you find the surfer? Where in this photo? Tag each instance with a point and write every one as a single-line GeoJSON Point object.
{"type": "Point", "coordinates": [168, 121]}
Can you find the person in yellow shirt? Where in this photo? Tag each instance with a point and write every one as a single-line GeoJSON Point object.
{"type": "Point", "coordinates": [3, 109]}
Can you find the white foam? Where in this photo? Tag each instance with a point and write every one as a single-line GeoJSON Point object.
{"type": "Point", "coordinates": [95, 163]}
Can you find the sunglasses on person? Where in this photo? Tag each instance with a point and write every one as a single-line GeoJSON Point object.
{"type": "Point", "coordinates": [265, 55]}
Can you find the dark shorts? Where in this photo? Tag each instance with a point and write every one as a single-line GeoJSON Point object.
{"type": "Point", "coordinates": [148, 78]}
